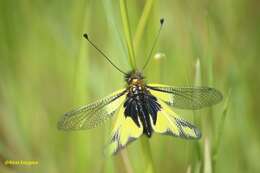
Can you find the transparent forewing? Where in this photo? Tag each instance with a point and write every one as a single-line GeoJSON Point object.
{"type": "Point", "coordinates": [93, 114]}
{"type": "Point", "coordinates": [186, 97]}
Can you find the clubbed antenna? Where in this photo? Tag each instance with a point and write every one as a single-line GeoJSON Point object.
{"type": "Point", "coordinates": [154, 44]}
{"type": "Point", "coordinates": [102, 53]}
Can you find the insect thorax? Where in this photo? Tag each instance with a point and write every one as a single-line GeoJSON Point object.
{"type": "Point", "coordinates": [134, 76]}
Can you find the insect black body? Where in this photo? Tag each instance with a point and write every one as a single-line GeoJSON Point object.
{"type": "Point", "coordinates": [140, 104]}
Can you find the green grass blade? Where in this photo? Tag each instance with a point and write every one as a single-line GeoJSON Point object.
{"type": "Point", "coordinates": [149, 165]}
{"type": "Point", "coordinates": [116, 30]}
{"type": "Point", "coordinates": [142, 23]}
{"type": "Point", "coordinates": [207, 156]}
{"type": "Point", "coordinates": [196, 148]}
{"type": "Point", "coordinates": [127, 164]}
{"type": "Point", "coordinates": [220, 130]}
{"type": "Point", "coordinates": [127, 33]}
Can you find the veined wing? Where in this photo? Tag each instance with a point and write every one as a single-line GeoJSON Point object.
{"type": "Point", "coordinates": [93, 114]}
{"type": "Point", "coordinates": [186, 97]}
{"type": "Point", "coordinates": [168, 123]}
{"type": "Point", "coordinates": [124, 131]}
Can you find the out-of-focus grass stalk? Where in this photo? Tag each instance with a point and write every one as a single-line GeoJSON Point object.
{"type": "Point", "coordinates": [109, 11]}
{"type": "Point", "coordinates": [159, 58]}
{"type": "Point", "coordinates": [209, 53]}
{"type": "Point", "coordinates": [207, 166]}
{"type": "Point", "coordinates": [81, 61]}
{"type": "Point", "coordinates": [208, 156]}
{"type": "Point", "coordinates": [110, 14]}
{"type": "Point", "coordinates": [142, 23]}
{"type": "Point", "coordinates": [147, 155]}
{"type": "Point", "coordinates": [219, 131]}
{"type": "Point", "coordinates": [197, 81]}
{"type": "Point", "coordinates": [80, 95]}
{"type": "Point", "coordinates": [127, 33]}
{"type": "Point", "coordinates": [196, 162]}
{"type": "Point", "coordinates": [80, 74]}
{"type": "Point", "coordinates": [126, 161]}
{"type": "Point", "coordinates": [209, 125]}
{"type": "Point", "coordinates": [210, 75]}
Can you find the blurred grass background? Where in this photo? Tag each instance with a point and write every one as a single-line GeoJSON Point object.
{"type": "Point", "coordinates": [47, 68]}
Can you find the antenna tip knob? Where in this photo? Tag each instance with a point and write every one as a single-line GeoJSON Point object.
{"type": "Point", "coordinates": [162, 21]}
{"type": "Point", "coordinates": [85, 35]}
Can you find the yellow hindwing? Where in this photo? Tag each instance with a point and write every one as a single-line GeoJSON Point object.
{"type": "Point", "coordinates": [124, 131]}
{"type": "Point", "coordinates": [170, 124]}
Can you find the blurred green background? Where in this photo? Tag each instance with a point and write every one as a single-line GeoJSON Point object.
{"type": "Point", "coordinates": [47, 68]}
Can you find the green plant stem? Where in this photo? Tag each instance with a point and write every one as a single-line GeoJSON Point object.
{"type": "Point", "coordinates": [126, 161]}
{"type": "Point", "coordinates": [81, 94]}
{"type": "Point", "coordinates": [147, 155]}
{"type": "Point", "coordinates": [142, 23]}
{"type": "Point", "coordinates": [207, 166]}
{"type": "Point", "coordinates": [220, 129]}
{"type": "Point", "coordinates": [127, 33]}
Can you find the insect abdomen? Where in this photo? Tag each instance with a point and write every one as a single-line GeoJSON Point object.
{"type": "Point", "coordinates": [141, 106]}
{"type": "Point", "coordinates": [145, 118]}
